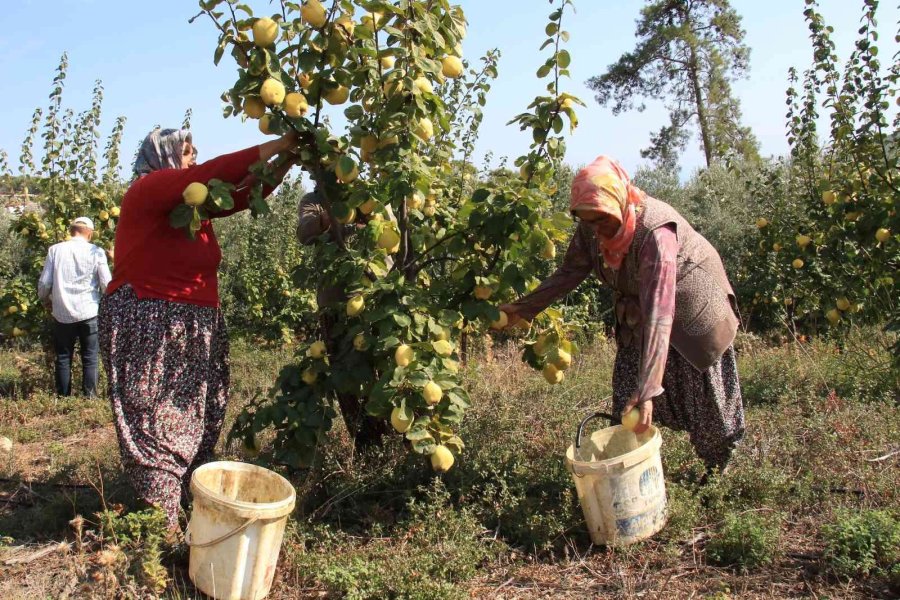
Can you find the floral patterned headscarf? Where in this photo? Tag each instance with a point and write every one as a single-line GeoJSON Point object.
{"type": "Point", "coordinates": [604, 186]}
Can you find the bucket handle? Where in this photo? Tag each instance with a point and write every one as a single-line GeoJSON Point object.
{"type": "Point", "coordinates": [222, 538]}
{"type": "Point", "coordinates": [596, 415]}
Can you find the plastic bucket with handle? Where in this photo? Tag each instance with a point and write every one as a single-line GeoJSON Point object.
{"type": "Point", "coordinates": [619, 480]}
{"type": "Point", "coordinates": [237, 523]}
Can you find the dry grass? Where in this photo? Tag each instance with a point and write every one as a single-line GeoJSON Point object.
{"type": "Point", "coordinates": [517, 530]}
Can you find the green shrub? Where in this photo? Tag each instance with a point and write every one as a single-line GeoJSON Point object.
{"type": "Point", "coordinates": [776, 375]}
{"type": "Point", "coordinates": [10, 382]}
{"type": "Point", "coordinates": [140, 537]}
{"type": "Point", "coordinates": [745, 541]}
{"type": "Point", "coordinates": [863, 543]}
{"type": "Point", "coordinates": [748, 485]}
{"type": "Point", "coordinates": [530, 501]}
{"type": "Point", "coordinates": [685, 512]}
{"type": "Point", "coordinates": [427, 555]}
{"type": "Point", "coordinates": [859, 369]}
{"type": "Point", "coordinates": [11, 249]}
{"type": "Point", "coordinates": [266, 282]}
{"type": "Point", "coordinates": [49, 517]}
{"type": "Point", "coordinates": [856, 367]}
{"type": "Point", "coordinates": [679, 459]}
{"type": "Point", "coordinates": [767, 382]}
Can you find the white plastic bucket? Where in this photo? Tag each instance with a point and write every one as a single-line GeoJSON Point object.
{"type": "Point", "coordinates": [237, 523]}
{"type": "Point", "coordinates": [620, 484]}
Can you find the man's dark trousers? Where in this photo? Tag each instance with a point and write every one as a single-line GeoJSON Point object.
{"type": "Point", "coordinates": [64, 338]}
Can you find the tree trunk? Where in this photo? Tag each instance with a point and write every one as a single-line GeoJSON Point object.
{"type": "Point", "coordinates": [369, 432]}
{"type": "Point", "coordinates": [407, 256]}
{"type": "Point", "coordinates": [464, 348]}
{"type": "Point", "coordinates": [366, 431]}
{"type": "Point", "coordinates": [701, 109]}
{"type": "Point", "coordinates": [694, 75]}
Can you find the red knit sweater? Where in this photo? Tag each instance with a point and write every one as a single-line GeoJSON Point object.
{"type": "Point", "coordinates": [159, 261]}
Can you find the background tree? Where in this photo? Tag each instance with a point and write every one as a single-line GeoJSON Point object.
{"type": "Point", "coordinates": [831, 242]}
{"type": "Point", "coordinates": [262, 264]}
{"type": "Point", "coordinates": [687, 54]}
{"type": "Point", "coordinates": [68, 182]}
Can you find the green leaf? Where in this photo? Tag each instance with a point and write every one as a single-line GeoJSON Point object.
{"type": "Point", "coordinates": [402, 320]}
{"type": "Point", "coordinates": [455, 443]}
{"type": "Point", "coordinates": [406, 412]}
{"type": "Point", "coordinates": [220, 195]}
{"type": "Point", "coordinates": [346, 164]}
{"type": "Point", "coordinates": [418, 434]}
{"type": "Point", "coordinates": [379, 404]}
{"type": "Point", "coordinates": [391, 342]}
{"type": "Point", "coordinates": [563, 59]}
{"type": "Point", "coordinates": [258, 62]}
{"type": "Point", "coordinates": [424, 446]}
{"type": "Point", "coordinates": [480, 195]}
{"type": "Point", "coordinates": [447, 381]}
{"type": "Point", "coordinates": [459, 398]}
{"type": "Point", "coordinates": [309, 60]}
{"type": "Point", "coordinates": [418, 379]}
{"type": "Point", "coordinates": [217, 56]}
{"type": "Point", "coordinates": [557, 124]}
{"type": "Point", "coordinates": [181, 216]}
{"type": "Point", "coordinates": [354, 113]}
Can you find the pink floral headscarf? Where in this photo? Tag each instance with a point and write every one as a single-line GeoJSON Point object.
{"type": "Point", "coordinates": [604, 186]}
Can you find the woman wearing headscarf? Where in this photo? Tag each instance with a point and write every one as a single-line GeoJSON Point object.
{"type": "Point", "coordinates": [674, 309]}
{"type": "Point", "coordinates": [163, 338]}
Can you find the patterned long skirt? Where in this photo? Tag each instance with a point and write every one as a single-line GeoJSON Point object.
{"type": "Point", "coordinates": [168, 370]}
{"type": "Point", "coordinates": [707, 404]}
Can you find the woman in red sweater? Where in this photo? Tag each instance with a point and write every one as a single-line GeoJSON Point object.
{"type": "Point", "coordinates": [162, 335]}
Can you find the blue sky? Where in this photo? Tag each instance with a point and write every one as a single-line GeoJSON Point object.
{"type": "Point", "coordinates": [154, 65]}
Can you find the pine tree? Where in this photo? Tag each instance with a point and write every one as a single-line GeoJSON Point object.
{"type": "Point", "coordinates": [688, 52]}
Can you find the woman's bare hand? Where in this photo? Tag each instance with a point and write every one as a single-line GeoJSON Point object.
{"type": "Point", "coordinates": [646, 410]}
{"type": "Point", "coordinates": [285, 143]}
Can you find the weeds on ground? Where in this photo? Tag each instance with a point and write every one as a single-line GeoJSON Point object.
{"type": "Point", "coordinates": [856, 367]}
{"type": "Point", "coordinates": [429, 554]}
{"type": "Point", "coordinates": [863, 543]}
{"type": "Point", "coordinates": [377, 525]}
{"type": "Point", "coordinates": [47, 515]}
{"type": "Point", "coordinates": [22, 372]}
{"type": "Point", "coordinates": [745, 541]}
{"type": "Point", "coordinates": [747, 486]}
{"type": "Point", "coordinates": [777, 376]}
{"type": "Point", "coordinates": [685, 512]}
{"type": "Point", "coordinates": [530, 503]}
{"type": "Point", "coordinates": [46, 416]}
{"type": "Point", "coordinates": [134, 544]}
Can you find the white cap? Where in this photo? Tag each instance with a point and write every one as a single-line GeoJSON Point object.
{"type": "Point", "coordinates": [84, 221]}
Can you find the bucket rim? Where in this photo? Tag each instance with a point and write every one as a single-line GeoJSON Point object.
{"type": "Point", "coordinates": [651, 445]}
{"type": "Point", "coordinates": [263, 509]}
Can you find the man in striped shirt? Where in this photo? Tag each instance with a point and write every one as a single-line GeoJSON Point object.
{"type": "Point", "coordinates": [74, 278]}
